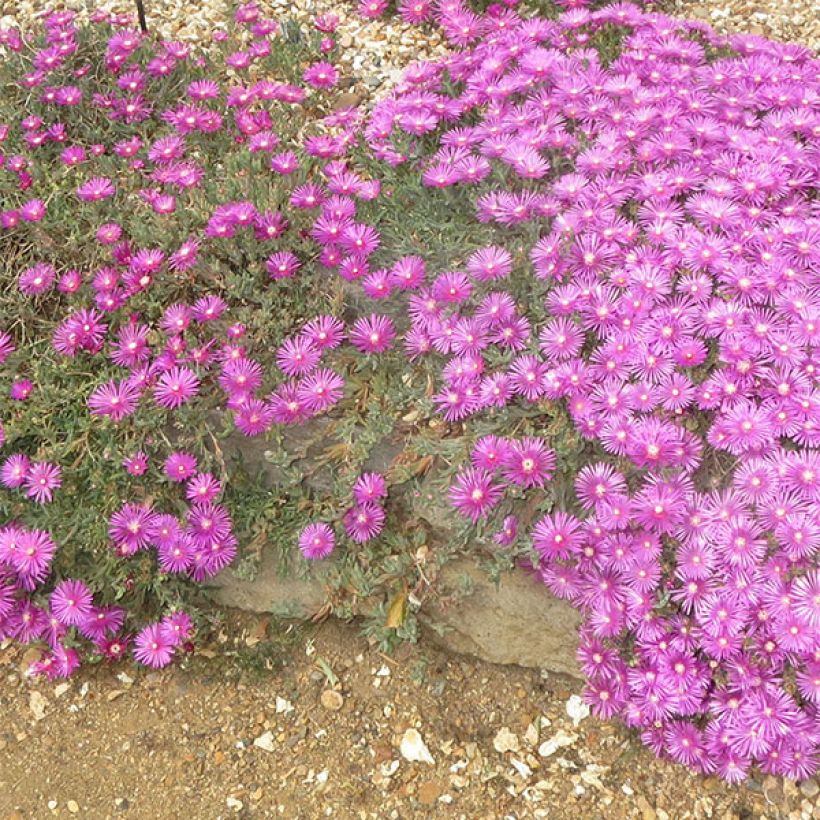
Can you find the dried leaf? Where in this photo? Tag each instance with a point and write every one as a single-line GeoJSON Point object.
{"type": "Point", "coordinates": [397, 610]}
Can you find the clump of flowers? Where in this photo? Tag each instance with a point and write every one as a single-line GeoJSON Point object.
{"type": "Point", "coordinates": [619, 342]}
{"type": "Point", "coordinates": [665, 201]}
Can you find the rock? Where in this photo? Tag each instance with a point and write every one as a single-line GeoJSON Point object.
{"type": "Point", "coordinates": [234, 804]}
{"type": "Point", "coordinates": [265, 742]}
{"type": "Point", "coordinates": [558, 741]}
{"type": "Point", "coordinates": [270, 591]}
{"type": "Point", "coordinates": [331, 700]}
{"type": "Point", "coordinates": [499, 624]}
{"type": "Point", "coordinates": [809, 788]}
{"type": "Point", "coordinates": [72, 806]}
{"type": "Point", "coordinates": [38, 705]}
{"type": "Point", "coordinates": [577, 709]}
{"type": "Point", "coordinates": [414, 749]}
{"type": "Point", "coordinates": [505, 741]}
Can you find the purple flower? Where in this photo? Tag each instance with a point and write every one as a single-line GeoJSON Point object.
{"type": "Point", "coordinates": [363, 522]}
{"type": "Point", "coordinates": [152, 647]}
{"type": "Point", "coordinates": [474, 494]}
{"type": "Point", "coordinates": [41, 480]}
{"type": "Point", "coordinates": [317, 541]}
{"type": "Point", "coordinates": [96, 189]}
{"type": "Point", "coordinates": [71, 602]}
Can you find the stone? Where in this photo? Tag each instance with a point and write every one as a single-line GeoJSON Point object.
{"type": "Point", "coordinates": [519, 622]}
{"type": "Point", "coordinates": [647, 812]}
{"type": "Point", "coordinates": [505, 741]}
{"type": "Point", "coordinates": [558, 741]}
{"type": "Point", "coordinates": [72, 806]}
{"type": "Point", "coordinates": [331, 700]}
{"type": "Point", "coordinates": [809, 788]}
{"type": "Point", "coordinates": [270, 591]}
{"type": "Point", "coordinates": [414, 749]}
{"type": "Point", "coordinates": [265, 742]}
{"type": "Point", "coordinates": [38, 705]}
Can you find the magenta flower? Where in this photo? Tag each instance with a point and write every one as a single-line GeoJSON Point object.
{"type": "Point", "coordinates": [364, 522]}
{"type": "Point", "coordinates": [374, 334]}
{"type": "Point", "coordinates": [152, 647]}
{"type": "Point", "coordinates": [15, 470]}
{"type": "Point", "coordinates": [369, 487]}
{"type": "Point", "coordinates": [528, 463]}
{"type": "Point", "coordinates": [114, 399]}
{"type": "Point", "coordinates": [96, 189]}
{"type": "Point", "coordinates": [317, 541]}
{"type": "Point", "coordinates": [175, 387]}
{"type": "Point", "coordinates": [131, 528]}
{"type": "Point", "coordinates": [180, 466]}
{"type": "Point", "coordinates": [71, 602]}
{"type": "Point", "coordinates": [41, 480]}
{"type": "Point", "coordinates": [474, 494]}
{"type": "Point", "coordinates": [37, 279]}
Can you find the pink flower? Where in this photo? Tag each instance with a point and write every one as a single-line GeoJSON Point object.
{"type": "Point", "coordinates": [96, 189]}
{"type": "Point", "coordinates": [152, 647]}
{"type": "Point", "coordinates": [71, 602]}
{"type": "Point", "coordinates": [175, 387]}
{"type": "Point", "coordinates": [373, 334]}
{"type": "Point", "coordinates": [41, 480]}
{"type": "Point", "coordinates": [317, 541]}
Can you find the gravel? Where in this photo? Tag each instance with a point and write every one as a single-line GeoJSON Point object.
{"type": "Point", "coordinates": [440, 735]}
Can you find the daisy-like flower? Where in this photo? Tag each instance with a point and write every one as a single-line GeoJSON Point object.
{"type": "Point", "coordinates": [474, 493]}
{"type": "Point", "coordinates": [490, 263]}
{"type": "Point", "coordinates": [96, 189]}
{"type": "Point", "coordinates": [37, 279]}
{"type": "Point", "coordinates": [131, 528]}
{"type": "Point", "coordinates": [203, 487]}
{"type": "Point", "coordinates": [364, 522]}
{"type": "Point", "coordinates": [152, 647]}
{"type": "Point", "coordinates": [317, 541]}
{"type": "Point", "coordinates": [30, 552]}
{"type": "Point", "coordinates": [15, 470]}
{"type": "Point", "coordinates": [373, 334]}
{"type": "Point", "coordinates": [297, 355]}
{"type": "Point", "coordinates": [41, 480]}
{"type": "Point", "coordinates": [175, 387]}
{"type": "Point", "coordinates": [369, 487]}
{"type": "Point", "coordinates": [320, 390]}
{"type": "Point", "coordinates": [180, 466]}
{"type": "Point", "coordinates": [528, 463]}
{"type": "Point", "coordinates": [325, 332]}
{"type": "Point", "coordinates": [71, 602]}
{"type": "Point", "coordinates": [115, 400]}
{"type": "Point", "coordinates": [176, 628]}
{"type": "Point", "coordinates": [321, 75]}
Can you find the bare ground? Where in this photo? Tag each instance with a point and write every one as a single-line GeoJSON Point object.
{"type": "Point", "coordinates": [223, 736]}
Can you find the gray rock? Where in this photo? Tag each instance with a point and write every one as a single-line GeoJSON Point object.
{"type": "Point", "coordinates": [519, 622]}
{"type": "Point", "coordinates": [270, 591]}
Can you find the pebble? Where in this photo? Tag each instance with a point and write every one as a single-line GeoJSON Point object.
{"type": "Point", "coordinates": [38, 705]}
{"type": "Point", "coordinates": [265, 742]}
{"type": "Point", "coordinates": [414, 749]}
{"type": "Point", "coordinates": [505, 741]}
{"type": "Point", "coordinates": [72, 806]}
{"type": "Point", "coordinates": [577, 710]}
{"type": "Point", "coordinates": [558, 741]}
{"type": "Point", "coordinates": [809, 788]}
{"type": "Point", "coordinates": [331, 700]}
{"type": "Point", "coordinates": [647, 812]}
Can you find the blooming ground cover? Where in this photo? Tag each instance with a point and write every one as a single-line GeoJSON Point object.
{"type": "Point", "coordinates": [574, 265]}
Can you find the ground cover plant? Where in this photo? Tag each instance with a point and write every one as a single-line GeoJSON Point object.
{"type": "Point", "coordinates": [573, 267]}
